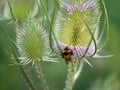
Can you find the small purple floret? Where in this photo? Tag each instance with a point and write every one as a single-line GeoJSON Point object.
{"type": "Point", "coordinates": [81, 7]}
{"type": "Point", "coordinates": [70, 8]}
{"type": "Point", "coordinates": [87, 5]}
{"type": "Point", "coordinates": [78, 51]}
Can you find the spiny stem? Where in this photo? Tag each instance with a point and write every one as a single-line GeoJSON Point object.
{"type": "Point", "coordinates": [72, 75]}
{"type": "Point", "coordinates": [80, 67]}
{"type": "Point", "coordinates": [41, 75]}
{"type": "Point", "coordinates": [26, 77]}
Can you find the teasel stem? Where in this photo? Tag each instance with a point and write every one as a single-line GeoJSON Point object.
{"type": "Point", "coordinates": [47, 5]}
{"type": "Point", "coordinates": [74, 70]}
{"type": "Point", "coordinates": [26, 77]}
{"type": "Point", "coordinates": [10, 7]}
{"type": "Point", "coordinates": [80, 67]}
{"type": "Point", "coordinates": [50, 23]}
{"type": "Point", "coordinates": [45, 9]}
{"type": "Point", "coordinates": [51, 30]}
{"type": "Point", "coordinates": [41, 75]}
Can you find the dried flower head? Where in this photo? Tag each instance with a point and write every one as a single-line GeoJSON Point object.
{"type": "Point", "coordinates": [32, 42]}
{"type": "Point", "coordinates": [76, 27]}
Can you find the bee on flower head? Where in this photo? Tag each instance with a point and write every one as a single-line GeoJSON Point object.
{"type": "Point", "coordinates": [67, 55]}
{"type": "Point", "coordinates": [75, 30]}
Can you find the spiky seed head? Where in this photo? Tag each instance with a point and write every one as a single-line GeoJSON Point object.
{"type": "Point", "coordinates": [32, 42]}
{"type": "Point", "coordinates": [71, 29]}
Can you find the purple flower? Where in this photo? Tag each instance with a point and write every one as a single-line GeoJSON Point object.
{"type": "Point", "coordinates": [78, 51]}
{"type": "Point", "coordinates": [87, 5]}
{"type": "Point", "coordinates": [70, 8]}
{"type": "Point", "coordinates": [74, 30]}
{"type": "Point", "coordinates": [83, 7]}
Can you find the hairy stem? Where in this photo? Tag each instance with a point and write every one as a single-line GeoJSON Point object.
{"type": "Point", "coordinates": [80, 67]}
{"type": "Point", "coordinates": [72, 75]}
{"type": "Point", "coordinates": [26, 77]}
{"type": "Point", "coordinates": [41, 75]}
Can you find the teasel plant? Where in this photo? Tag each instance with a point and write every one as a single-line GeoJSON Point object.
{"type": "Point", "coordinates": [31, 39]}
{"type": "Point", "coordinates": [81, 30]}
{"type": "Point", "coordinates": [73, 30]}
{"type": "Point", "coordinates": [33, 46]}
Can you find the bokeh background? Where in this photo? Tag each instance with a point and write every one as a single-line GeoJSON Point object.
{"type": "Point", "coordinates": [104, 76]}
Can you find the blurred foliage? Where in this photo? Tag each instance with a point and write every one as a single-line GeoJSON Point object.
{"type": "Point", "coordinates": [11, 79]}
{"type": "Point", "coordinates": [110, 83]}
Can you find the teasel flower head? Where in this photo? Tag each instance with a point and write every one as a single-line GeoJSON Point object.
{"type": "Point", "coordinates": [76, 28]}
{"type": "Point", "coordinates": [20, 9]}
{"type": "Point", "coordinates": [32, 43]}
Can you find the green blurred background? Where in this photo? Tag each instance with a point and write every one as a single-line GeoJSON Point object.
{"type": "Point", "coordinates": [11, 78]}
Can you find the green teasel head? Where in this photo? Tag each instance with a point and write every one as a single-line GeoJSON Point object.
{"type": "Point", "coordinates": [76, 27]}
{"type": "Point", "coordinates": [20, 9]}
{"type": "Point", "coordinates": [32, 42]}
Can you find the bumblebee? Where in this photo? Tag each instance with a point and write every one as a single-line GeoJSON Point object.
{"type": "Point", "coordinates": [66, 54]}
